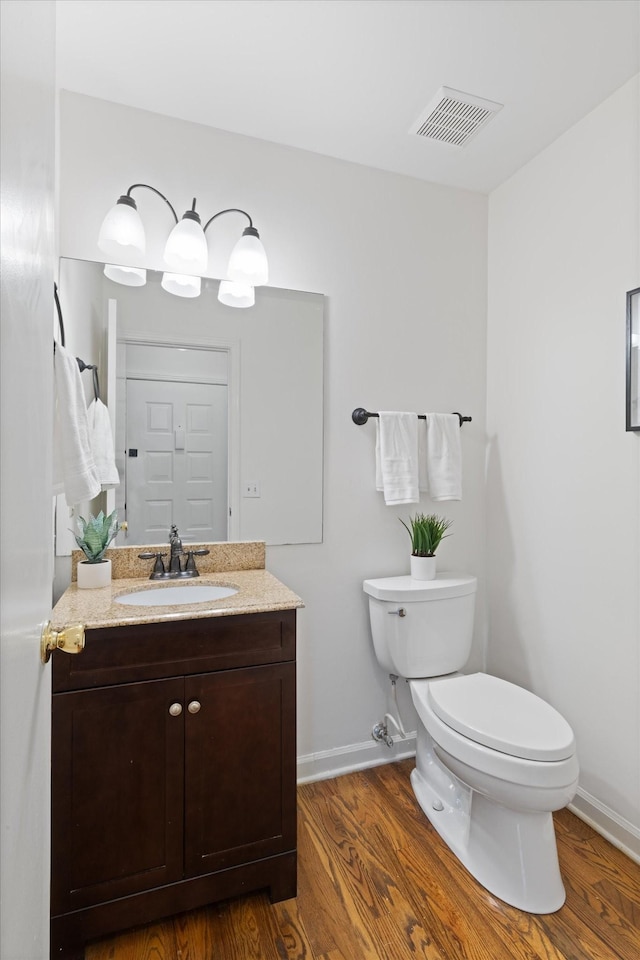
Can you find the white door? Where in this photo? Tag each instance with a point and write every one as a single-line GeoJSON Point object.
{"type": "Point", "coordinates": [27, 114]}
{"type": "Point", "coordinates": [176, 460]}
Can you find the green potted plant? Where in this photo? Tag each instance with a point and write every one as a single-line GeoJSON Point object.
{"type": "Point", "coordinates": [426, 532]}
{"type": "Point", "coordinates": [93, 537]}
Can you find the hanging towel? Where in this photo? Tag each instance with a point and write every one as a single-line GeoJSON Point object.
{"type": "Point", "coordinates": [75, 472]}
{"type": "Point", "coordinates": [397, 457]}
{"type": "Point", "coordinates": [102, 444]}
{"type": "Point", "coordinates": [444, 456]}
{"type": "Point", "coordinates": [423, 472]}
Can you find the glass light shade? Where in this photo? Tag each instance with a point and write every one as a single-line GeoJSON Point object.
{"type": "Point", "coordinates": [186, 249]}
{"type": "Point", "coordinates": [236, 294]}
{"type": "Point", "coordinates": [122, 232]}
{"type": "Point", "coordinates": [128, 276]}
{"type": "Point", "coordinates": [248, 261]}
{"type": "Point", "coordinates": [180, 285]}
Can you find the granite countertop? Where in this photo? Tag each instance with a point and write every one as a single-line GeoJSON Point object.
{"type": "Point", "coordinates": [258, 592]}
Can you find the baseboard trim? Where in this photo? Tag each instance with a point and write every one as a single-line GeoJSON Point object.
{"type": "Point", "coordinates": [355, 756]}
{"type": "Point", "coordinates": [605, 821]}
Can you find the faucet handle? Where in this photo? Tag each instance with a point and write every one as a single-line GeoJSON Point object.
{"type": "Point", "coordinates": [158, 567]}
{"type": "Point", "coordinates": [190, 567]}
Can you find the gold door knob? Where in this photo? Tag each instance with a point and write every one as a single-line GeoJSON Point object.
{"type": "Point", "coordinates": [175, 709]}
{"type": "Point", "coordinates": [194, 706]}
{"type": "Point", "coordinates": [70, 640]}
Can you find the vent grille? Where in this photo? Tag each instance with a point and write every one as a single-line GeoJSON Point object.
{"type": "Point", "coordinates": [454, 117]}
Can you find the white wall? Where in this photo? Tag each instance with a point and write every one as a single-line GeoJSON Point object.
{"type": "Point", "coordinates": [563, 476]}
{"type": "Point", "coordinates": [26, 441]}
{"type": "Point", "coordinates": [403, 266]}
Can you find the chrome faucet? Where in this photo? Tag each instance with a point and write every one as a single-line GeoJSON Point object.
{"type": "Point", "coordinates": [175, 570]}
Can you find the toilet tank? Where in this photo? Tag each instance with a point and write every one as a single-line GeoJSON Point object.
{"type": "Point", "coordinates": [422, 628]}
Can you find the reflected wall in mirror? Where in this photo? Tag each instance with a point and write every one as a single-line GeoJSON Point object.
{"type": "Point", "coordinates": [217, 412]}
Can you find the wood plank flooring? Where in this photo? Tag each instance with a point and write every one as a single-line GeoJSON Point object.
{"type": "Point", "coordinates": [377, 883]}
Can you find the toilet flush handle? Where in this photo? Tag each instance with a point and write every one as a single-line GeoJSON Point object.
{"type": "Point", "coordinates": [400, 612]}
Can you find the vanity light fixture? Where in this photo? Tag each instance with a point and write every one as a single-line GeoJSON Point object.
{"type": "Point", "coordinates": [186, 252]}
{"type": "Point", "coordinates": [248, 260]}
{"type": "Point", "coordinates": [122, 230]}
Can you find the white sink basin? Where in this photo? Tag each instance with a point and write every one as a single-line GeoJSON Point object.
{"type": "Point", "coordinates": [175, 596]}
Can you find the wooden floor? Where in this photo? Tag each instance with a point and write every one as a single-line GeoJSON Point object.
{"type": "Point", "coordinates": [376, 881]}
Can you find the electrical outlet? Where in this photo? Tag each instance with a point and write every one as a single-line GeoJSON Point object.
{"type": "Point", "coordinates": [251, 490]}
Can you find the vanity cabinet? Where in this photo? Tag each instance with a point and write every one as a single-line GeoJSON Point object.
{"type": "Point", "coordinates": [173, 772]}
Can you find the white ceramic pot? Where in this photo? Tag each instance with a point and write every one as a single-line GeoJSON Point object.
{"type": "Point", "coordinates": [423, 568]}
{"type": "Point", "coordinates": [92, 575]}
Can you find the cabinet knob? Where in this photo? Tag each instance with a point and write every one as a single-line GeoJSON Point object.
{"type": "Point", "coordinates": [175, 709]}
{"type": "Point", "coordinates": [194, 706]}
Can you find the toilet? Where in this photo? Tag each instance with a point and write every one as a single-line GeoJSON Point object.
{"type": "Point", "coordinates": [492, 759]}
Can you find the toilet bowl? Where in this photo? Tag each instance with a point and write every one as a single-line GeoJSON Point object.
{"type": "Point", "coordinates": [492, 760]}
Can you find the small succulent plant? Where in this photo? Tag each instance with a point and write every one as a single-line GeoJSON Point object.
{"type": "Point", "coordinates": [426, 533]}
{"type": "Point", "coordinates": [95, 534]}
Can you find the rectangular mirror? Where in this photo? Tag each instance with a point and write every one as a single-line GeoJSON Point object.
{"type": "Point", "coordinates": [217, 411]}
{"type": "Point", "coordinates": [633, 359]}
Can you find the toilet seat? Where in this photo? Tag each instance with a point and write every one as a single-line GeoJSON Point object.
{"type": "Point", "coordinates": [502, 716]}
{"type": "Point", "coordinates": [546, 774]}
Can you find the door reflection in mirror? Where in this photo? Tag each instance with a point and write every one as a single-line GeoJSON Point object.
{"type": "Point", "coordinates": [179, 473]}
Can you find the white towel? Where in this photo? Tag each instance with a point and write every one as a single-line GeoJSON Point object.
{"type": "Point", "coordinates": [75, 472]}
{"type": "Point", "coordinates": [102, 444]}
{"type": "Point", "coordinates": [444, 456]}
{"type": "Point", "coordinates": [397, 457]}
{"type": "Point", "coordinates": [423, 472]}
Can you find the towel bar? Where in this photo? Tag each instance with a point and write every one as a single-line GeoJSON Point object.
{"type": "Point", "coordinates": [360, 416]}
{"type": "Point", "coordinates": [81, 364]}
{"type": "Point", "coordinates": [94, 370]}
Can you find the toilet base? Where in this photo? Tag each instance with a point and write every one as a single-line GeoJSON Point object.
{"type": "Point", "coordinates": [512, 853]}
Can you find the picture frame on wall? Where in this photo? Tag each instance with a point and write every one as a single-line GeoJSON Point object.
{"type": "Point", "coordinates": [633, 359]}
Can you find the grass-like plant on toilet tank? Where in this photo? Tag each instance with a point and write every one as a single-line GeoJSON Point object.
{"type": "Point", "coordinates": [95, 534]}
{"type": "Point", "coordinates": [426, 532]}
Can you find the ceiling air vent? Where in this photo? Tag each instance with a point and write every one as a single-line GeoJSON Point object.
{"type": "Point", "coordinates": [454, 117]}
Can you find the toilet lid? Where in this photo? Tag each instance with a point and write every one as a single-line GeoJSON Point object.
{"type": "Point", "coordinates": [502, 716]}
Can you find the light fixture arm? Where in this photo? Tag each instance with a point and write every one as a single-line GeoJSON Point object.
{"type": "Point", "coordinates": [153, 189]}
{"type": "Point", "coordinates": [136, 186]}
{"type": "Point", "coordinates": [228, 210]}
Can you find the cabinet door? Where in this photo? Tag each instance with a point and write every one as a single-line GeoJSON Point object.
{"type": "Point", "coordinates": [117, 804]}
{"type": "Point", "coordinates": [240, 756]}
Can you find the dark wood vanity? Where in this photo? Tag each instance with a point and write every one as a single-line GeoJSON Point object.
{"type": "Point", "coordinates": [173, 771]}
